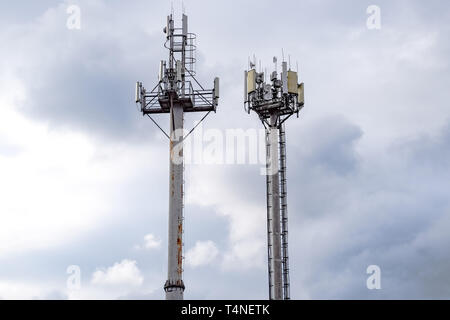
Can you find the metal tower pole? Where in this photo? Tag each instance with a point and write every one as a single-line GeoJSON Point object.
{"type": "Point", "coordinates": [284, 214]}
{"type": "Point", "coordinates": [269, 209]}
{"type": "Point", "coordinates": [277, 278]}
{"type": "Point", "coordinates": [275, 103]}
{"type": "Point", "coordinates": [174, 286]}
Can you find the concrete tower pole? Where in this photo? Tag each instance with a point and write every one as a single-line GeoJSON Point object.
{"type": "Point", "coordinates": [277, 276]}
{"type": "Point", "coordinates": [174, 286]}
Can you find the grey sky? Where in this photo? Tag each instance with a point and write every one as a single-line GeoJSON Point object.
{"type": "Point", "coordinates": [84, 176]}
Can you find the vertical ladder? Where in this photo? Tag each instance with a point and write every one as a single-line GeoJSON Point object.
{"type": "Point", "coordinates": [183, 205]}
{"type": "Point", "coordinates": [269, 220]}
{"type": "Point", "coordinates": [284, 214]}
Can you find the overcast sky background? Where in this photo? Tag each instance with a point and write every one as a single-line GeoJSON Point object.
{"type": "Point", "coordinates": [84, 177]}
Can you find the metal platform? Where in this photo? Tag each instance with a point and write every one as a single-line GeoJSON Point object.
{"type": "Point", "coordinates": [192, 100]}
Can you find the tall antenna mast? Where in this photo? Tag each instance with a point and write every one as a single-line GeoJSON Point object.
{"type": "Point", "coordinates": [274, 103]}
{"type": "Point", "coordinates": [174, 95]}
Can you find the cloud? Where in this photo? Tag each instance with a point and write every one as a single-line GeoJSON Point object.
{"type": "Point", "coordinates": [13, 290]}
{"type": "Point", "coordinates": [367, 162]}
{"type": "Point", "coordinates": [66, 180]}
{"type": "Point", "coordinates": [332, 146]}
{"type": "Point", "coordinates": [124, 273]}
{"type": "Point", "coordinates": [150, 242]}
{"type": "Point", "coordinates": [246, 218]}
{"type": "Point", "coordinates": [30, 289]}
{"type": "Point", "coordinates": [202, 254]}
{"type": "Point", "coordinates": [380, 214]}
{"type": "Point", "coordinates": [99, 66]}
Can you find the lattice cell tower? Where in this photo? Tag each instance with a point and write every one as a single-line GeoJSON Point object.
{"type": "Point", "coordinates": [275, 102]}
{"type": "Point", "coordinates": [176, 94]}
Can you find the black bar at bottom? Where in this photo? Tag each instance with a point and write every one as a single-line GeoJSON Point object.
{"type": "Point", "coordinates": [179, 310]}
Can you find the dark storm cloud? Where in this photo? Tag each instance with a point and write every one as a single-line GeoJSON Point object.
{"type": "Point", "coordinates": [85, 79]}
{"type": "Point", "coordinates": [391, 212]}
{"type": "Point", "coordinates": [332, 146]}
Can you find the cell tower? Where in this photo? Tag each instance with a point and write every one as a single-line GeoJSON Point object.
{"type": "Point", "coordinates": [274, 103]}
{"type": "Point", "coordinates": [176, 94]}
